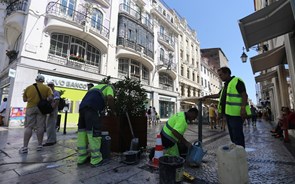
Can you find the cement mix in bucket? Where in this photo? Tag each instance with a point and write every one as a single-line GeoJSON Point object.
{"type": "Point", "coordinates": [249, 149]}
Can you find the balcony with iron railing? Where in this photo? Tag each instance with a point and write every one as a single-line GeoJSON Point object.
{"type": "Point", "coordinates": [20, 6]}
{"type": "Point", "coordinates": [76, 64]}
{"type": "Point", "coordinates": [169, 64]}
{"type": "Point", "coordinates": [15, 17]}
{"type": "Point", "coordinates": [163, 15]}
{"type": "Point", "coordinates": [143, 80]}
{"type": "Point", "coordinates": [137, 47]}
{"type": "Point", "coordinates": [124, 8]}
{"type": "Point", "coordinates": [77, 18]}
{"type": "Point", "coordinates": [167, 41]}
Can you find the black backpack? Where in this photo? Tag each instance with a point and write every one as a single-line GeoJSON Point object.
{"type": "Point", "coordinates": [61, 104]}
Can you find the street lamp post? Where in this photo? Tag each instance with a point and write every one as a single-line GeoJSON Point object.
{"type": "Point", "coordinates": [66, 109]}
{"type": "Point", "coordinates": [244, 56]}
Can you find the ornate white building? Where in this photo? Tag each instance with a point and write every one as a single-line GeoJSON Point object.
{"type": "Point", "coordinates": [73, 42]}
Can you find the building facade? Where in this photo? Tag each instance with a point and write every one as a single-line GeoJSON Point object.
{"type": "Point", "coordinates": [273, 28]}
{"type": "Point", "coordinates": [74, 42]}
{"type": "Point", "coordinates": [189, 64]}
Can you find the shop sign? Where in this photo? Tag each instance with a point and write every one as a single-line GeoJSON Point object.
{"type": "Point", "coordinates": [11, 73]}
{"type": "Point", "coordinates": [167, 98]}
{"type": "Point", "coordinates": [66, 83]}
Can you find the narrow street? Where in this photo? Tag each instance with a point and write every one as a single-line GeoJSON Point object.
{"type": "Point", "coordinates": [269, 159]}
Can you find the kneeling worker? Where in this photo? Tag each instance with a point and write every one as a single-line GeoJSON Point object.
{"type": "Point", "coordinates": [174, 129]}
{"type": "Point", "coordinates": [89, 124]}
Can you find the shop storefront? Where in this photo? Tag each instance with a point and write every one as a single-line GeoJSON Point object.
{"type": "Point", "coordinates": [167, 106]}
{"type": "Point", "coordinates": [73, 92]}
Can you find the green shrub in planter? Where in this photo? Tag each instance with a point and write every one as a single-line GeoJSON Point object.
{"type": "Point", "coordinates": [130, 97]}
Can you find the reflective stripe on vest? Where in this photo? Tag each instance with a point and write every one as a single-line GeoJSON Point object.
{"type": "Point", "coordinates": [166, 135]}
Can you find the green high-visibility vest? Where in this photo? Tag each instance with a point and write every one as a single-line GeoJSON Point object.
{"type": "Point", "coordinates": [176, 122]}
{"type": "Point", "coordinates": [233, 99]}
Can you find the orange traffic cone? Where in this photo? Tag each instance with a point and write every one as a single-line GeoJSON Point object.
{"type": "Point", "coordinates": [158, 151]}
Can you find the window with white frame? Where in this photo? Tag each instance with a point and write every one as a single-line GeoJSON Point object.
{"type": "Point", "coordinates": [68, 7]}
{"type": "Point", "coordinates": [123, 66]}
{"type": "Point", "coordinates": [132, 68]}
{"type": "Point", "coordinates": [165, 79]}
{"type": "Point", "coordinates": [162, 54]}
{"type": "Point", "coordinates": [187, 73]}
{"type": "Point", "coordinates": [65, 46]}
{"type": "Point", "coordinates": [145, 73]}
{"type": "Point", "coordinates": [135, 68]}
{"type": "Point", "coordinates": [97, 19]}
{"type": "Point", "coordinates": [162, 30]}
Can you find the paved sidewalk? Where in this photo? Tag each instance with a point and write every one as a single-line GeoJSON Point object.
{"type": "Point", "coordinates": [269, 159]}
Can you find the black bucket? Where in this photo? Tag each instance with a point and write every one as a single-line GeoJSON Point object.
{"type": "Point", "coordinates": [171, 169]}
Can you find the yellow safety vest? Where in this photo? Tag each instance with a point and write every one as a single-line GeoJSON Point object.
{"type": "Point", "coordinates": [176, 122]}
{"type": "Point", "coordinates": [233, 99]}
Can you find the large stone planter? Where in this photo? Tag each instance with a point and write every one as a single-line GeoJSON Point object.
{"type": "Point", "coordinates": [120, 133]}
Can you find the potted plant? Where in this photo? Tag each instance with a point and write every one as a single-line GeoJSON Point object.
{"type": "Point", "coordinates": [11, 54]}
{"type": "Point", "coordinates": [130, 97]}
{"type": "Point", "coordinates": [76, 58]}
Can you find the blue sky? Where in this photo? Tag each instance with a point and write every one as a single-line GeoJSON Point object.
{"type": "Point", "coordinates": [216, 23]}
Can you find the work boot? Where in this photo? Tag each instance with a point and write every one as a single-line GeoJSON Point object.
{"type": "Point", "coordinates": [94, 144]}
{"type": "Point", "coordinates": [82, 143]}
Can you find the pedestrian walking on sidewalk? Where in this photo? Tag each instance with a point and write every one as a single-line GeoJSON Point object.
{"type": "Point", "coordinates": [254, 115]}
{"type": "Point", "coordinates": [89, 124]}
{"type": "Point", "coordinates": [233, 103]}
{"type": "Point", "coordinates": [34, 118]}
{"type": "Point", "coordinates": [212, 116]}
{"type": "Point", "coordinates": [288, 122]}
{"type": "Point", "coordinates": [3, 111]}
{"type": "Point", "coordinates": [52, 118]}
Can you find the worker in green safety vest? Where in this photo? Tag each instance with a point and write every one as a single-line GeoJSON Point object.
{"type": "Point", "coordinates": [89, 124]}
{"type": "Point", "coordinates": [174, 129]}
{"type": "Point", "coordinates": [233, 104]}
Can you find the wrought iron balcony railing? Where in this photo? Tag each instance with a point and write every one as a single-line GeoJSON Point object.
{"type": "Point", "coordinates": [86, 66]}
{"type": "Point", "coordinates": [131, 44]}
{"type": "Point", "coordinates": [167, 39]}
{"type": "Point", "coordinates": [136, 15]}
{"type": "Point", "coordinates": [77, 17]}
{"type": "Point", "coordinates": [168, 63]}
{"type": "Point", "coordinates": [16, 6]}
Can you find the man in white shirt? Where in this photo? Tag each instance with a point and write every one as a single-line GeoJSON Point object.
{"type": "Point", "coordinates": [3, 110]}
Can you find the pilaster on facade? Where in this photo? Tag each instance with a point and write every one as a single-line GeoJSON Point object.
{"type": "Point", "coordinates": [189, 67]}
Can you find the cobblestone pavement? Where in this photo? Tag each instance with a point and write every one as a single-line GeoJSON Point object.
{"type": "Point", "coordinates": [269, 159]}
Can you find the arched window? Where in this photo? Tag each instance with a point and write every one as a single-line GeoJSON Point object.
{"type": "Point", "coordinates": [66, 46]}
{"type": "Point", "coordinates": [97, 19]}
{"type": "Point", "coordinates": [77, 47]}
